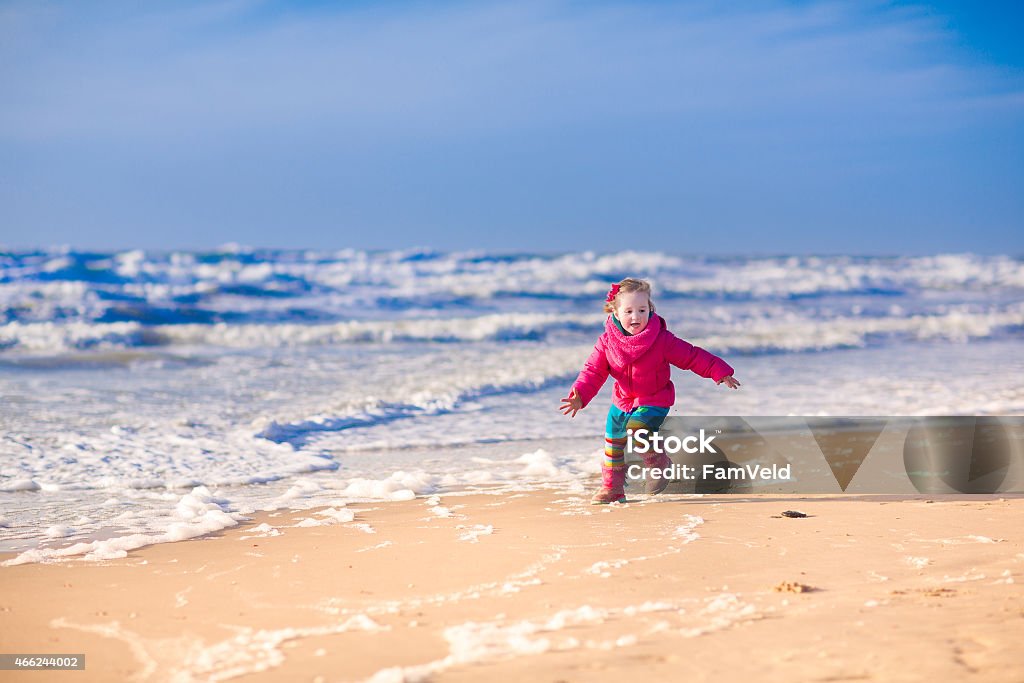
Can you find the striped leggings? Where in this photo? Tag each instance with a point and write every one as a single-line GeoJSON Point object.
{"type": "Point", "coordinates": [619, 423]}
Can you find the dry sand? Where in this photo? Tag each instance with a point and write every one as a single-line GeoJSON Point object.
{"type": "Point", "coordinates": [543, 586]}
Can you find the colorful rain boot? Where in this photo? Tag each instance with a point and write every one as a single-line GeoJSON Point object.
{"type": "Point", "coordinates": [660, 461]}
{"type": "Point", "coordinates": [614, 486]}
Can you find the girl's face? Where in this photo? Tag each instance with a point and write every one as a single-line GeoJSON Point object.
{"type": "Point", "coordinates": [633, 310]}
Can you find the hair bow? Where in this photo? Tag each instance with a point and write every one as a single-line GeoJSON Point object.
{"type": "Point", "coordinates": [612, 293]}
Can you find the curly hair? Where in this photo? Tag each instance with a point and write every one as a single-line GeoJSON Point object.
{"type": "Point", "coordinates": [627, 286]}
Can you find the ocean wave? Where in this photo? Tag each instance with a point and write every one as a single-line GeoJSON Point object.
{"type": "Point", "coordinates": [53, 338]}
{"type": "Point", "coordinates": [376, 412]}
{"type": "Point", "coordinates": [777, 330]}
{"type": "Point", "coordinates": [246, 286]}
{"type": "Point", "coordinates": [796, 334]}
{"type": "Point", "coordinates": [802, 277]}
{"type": "Point", "coordinates": [77, 336]}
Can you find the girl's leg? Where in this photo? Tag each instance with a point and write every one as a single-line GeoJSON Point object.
{"type": "Point", "coordinates": [613, 468]}
{"type": "Point", "coordinates": [650, 418]}
{"type": "Point", "coordinates": [615, 438]}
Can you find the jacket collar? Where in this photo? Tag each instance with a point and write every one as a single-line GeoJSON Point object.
{"type": "Point", "coordinates": [623, 349]}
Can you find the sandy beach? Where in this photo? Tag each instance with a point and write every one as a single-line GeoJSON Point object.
{"type": "Point", "coordinates": [543, 586]}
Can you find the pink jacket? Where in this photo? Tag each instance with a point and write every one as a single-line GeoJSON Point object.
{"type": "Point", "coordinates": [640, 365]}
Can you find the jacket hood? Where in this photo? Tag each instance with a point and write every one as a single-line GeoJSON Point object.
{"type": "Point", "coordinates": [623, 350]}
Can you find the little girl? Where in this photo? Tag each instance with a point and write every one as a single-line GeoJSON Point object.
{"type": "Point", "coordinates": [636, 350]}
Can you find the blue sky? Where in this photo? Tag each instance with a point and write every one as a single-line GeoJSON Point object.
{"type": "Point", "coordinates": [751, 127]}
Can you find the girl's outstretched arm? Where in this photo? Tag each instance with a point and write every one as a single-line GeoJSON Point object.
{"type": "Point", "coordinates": [686, 356]}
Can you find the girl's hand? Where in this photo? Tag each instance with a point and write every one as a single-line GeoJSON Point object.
{"type": "Point", "coordinates": [730, 382]}
{"type": "Point", "coordinates": [573, 404]}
